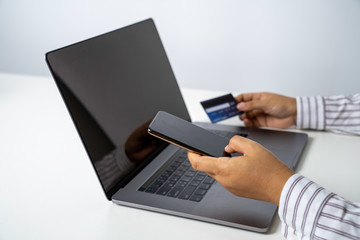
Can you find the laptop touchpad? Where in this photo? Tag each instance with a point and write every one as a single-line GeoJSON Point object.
{"type": "Point", "coordinates": [287, 157]}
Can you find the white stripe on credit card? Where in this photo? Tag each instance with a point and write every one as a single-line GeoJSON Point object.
{"type": "Point", "coordinates": [217, 107]}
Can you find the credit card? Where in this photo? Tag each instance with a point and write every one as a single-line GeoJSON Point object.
{"type": "Point", "coordinates": [221, 108]}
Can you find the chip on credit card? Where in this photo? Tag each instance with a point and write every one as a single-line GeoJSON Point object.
{"type": "Point", "coordinates": [221, 108]}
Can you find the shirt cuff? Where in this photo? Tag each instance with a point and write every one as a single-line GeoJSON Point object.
{"type": "Point", "coordinates": [300, 205]}
{"type": "Point", "coordinates": [310, 112]}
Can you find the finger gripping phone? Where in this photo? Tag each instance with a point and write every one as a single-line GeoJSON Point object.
{"type": "Point", "coordinates": [187, 135]}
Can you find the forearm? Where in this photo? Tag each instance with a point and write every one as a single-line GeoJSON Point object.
{"type": "Point", "coordinates": [311, 212]}
{"type": "Point", "coordinates": [336, 113]}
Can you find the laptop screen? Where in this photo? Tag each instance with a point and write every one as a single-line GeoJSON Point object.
{"type": "Point", "coordinates": [113, 85]}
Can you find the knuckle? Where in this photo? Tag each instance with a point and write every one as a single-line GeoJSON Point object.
{"type": "Point", "coordinates": [232, 140]}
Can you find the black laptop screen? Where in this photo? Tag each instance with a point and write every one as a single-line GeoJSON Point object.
{"type": "Point", "coordinates": [113, 85]}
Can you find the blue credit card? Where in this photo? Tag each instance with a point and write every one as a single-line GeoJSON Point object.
{"type": "Point", "coordinates": [221, 108]}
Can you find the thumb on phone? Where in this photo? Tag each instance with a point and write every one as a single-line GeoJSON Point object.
{"type": "Point", "coordinates": [239, 144]}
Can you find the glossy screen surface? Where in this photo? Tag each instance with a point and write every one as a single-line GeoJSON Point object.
{"type": "Point", "coordinates": [113, 85]}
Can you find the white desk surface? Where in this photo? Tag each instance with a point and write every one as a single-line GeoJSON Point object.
{"type": "Point", "coordinates": [49, 190]}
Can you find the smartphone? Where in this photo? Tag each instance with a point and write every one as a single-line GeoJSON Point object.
{"type": "Point", "coordinates": [186, 135]}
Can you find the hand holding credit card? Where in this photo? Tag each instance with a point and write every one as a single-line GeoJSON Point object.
{"type": "Point", "coordinates": [221, 108]}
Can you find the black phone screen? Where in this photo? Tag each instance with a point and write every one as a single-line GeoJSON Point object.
{"type": "Point", "coordinates": [187, 135]}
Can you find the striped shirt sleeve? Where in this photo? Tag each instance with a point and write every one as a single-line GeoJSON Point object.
{"type": "Point", "coordinates": [309, 211]}
{"type": "Point", "coordinates": [339, 114]}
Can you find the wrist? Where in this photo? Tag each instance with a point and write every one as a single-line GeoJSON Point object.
{"type": "Point", "coordinates": [293, 110]}
{"type": "Point", "coordinates": [277, 183]}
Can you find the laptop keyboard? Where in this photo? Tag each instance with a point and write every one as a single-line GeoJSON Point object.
{"type": "Point", "coordinates": [178, 179]}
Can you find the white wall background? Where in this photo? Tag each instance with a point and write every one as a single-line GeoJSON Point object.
{"type": "Point", "coordinates": [298, 47]}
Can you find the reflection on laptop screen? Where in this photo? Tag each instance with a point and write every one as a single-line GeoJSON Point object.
{"type": "Point", "coordinates": [110, 84]}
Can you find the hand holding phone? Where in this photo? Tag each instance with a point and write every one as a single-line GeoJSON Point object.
{"type": "Point", "coordinates": [187, 135]}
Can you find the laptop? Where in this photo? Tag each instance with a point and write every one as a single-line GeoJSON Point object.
{"type": "Point", "coordinates": [113, 85]}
